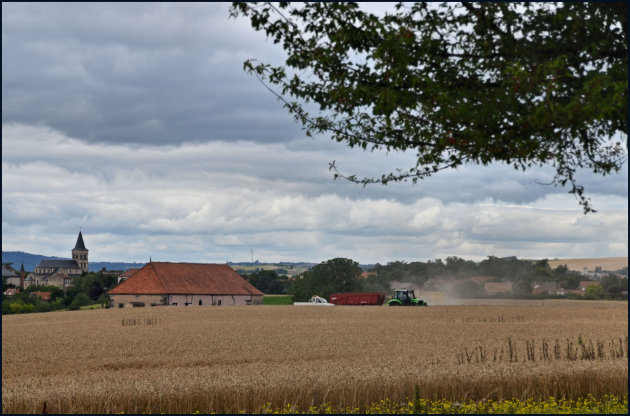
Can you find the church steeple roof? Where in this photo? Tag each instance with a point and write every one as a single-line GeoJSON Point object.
{"type": "Point", "coordinates": [80, 245]}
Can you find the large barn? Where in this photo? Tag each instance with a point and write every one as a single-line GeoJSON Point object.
{"type": "Point", "coordinates": [183, 284]}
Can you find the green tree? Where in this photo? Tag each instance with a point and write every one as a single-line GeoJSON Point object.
{"type": "Point", "coordinates": [542, 270]}
{"type": "Point", "coordinates": [570, 281]}
{"type": "Point", "coordinates": [103, 300]}
{"type": "Point", "coordinates": [594, 292]}
{"type": "Point", "coordinates": [561, 269]}
{"type": "Point", "coordinates": [268, 281]}
{"type": "Point", "coordinates": [613, 284]}
{"type": "Point", "coordinates": [336, 275]}
{"type": "Point", "coordinates": [79, 300]}
{"type": "Point", "coordinates": [526, 84]}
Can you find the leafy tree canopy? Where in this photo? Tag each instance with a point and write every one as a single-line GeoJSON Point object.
{"type": "Point", "coordinates": [594, 292]}
{"type": "Point", "coordinates": [336, 275]}
{"type": "Point", "coordinates": [268, 281]}
{"type": "Point", "coordinates": [526, 84]}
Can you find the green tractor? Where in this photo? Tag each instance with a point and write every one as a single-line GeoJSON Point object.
{"type": "Point", "coordinates": [405, 297]}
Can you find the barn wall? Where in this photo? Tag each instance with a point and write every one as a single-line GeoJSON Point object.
{"type": "Point", "coordinates": [214, 300]}
{"type": "Point", "coordinates": [183, 300]}
{"type": "Point", "coordinates": [128, 300]}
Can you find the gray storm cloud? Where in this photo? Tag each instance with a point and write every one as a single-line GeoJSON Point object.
{"type": "Point", "coordinates": [188, 196]}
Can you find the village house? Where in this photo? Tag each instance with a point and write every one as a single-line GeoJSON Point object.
{"type": "Point", "coordinates": [11, 277]}
{"type": "Point", "coordinates": [184, 284]}
{"type": "Point", "coordinates": [44, 296]}
{"type": "Point", "coordinates": [14, 279]}
{"type": "Point", "coordinates": [552, 288]}
{"type": "Point", "coordinates": [496, 288]}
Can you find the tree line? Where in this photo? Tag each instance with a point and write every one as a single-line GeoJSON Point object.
{"type": "Point", "coordinates": [344, 275]}
{"type": "Point", "coordinates": [523, 274]}
{"type": "Point", "coordinates": [88, 289]}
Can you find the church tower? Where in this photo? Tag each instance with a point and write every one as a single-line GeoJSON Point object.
{"type": "Point", "coordinates": [80, 254]}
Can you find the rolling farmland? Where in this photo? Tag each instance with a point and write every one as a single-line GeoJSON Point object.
{"type": "Point", "coordinates": [228, 359]}
{"type": "Point", "coordinates": [578, 265]}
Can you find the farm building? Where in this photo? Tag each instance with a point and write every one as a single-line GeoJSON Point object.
{"type": "Point", "coordinates": [11, 277]}
{"type": "Point", "coordinates": [496, 288]}
{"type": "Point", "coordinates": [183, 284]}
{"type": "Point", "coordinates": [547, 287]}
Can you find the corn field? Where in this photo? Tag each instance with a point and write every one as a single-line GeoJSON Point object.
{"type": "Point", "coordinates": [233, 359]}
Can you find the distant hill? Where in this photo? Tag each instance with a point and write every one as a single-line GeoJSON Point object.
{"type": "Point", "coordinates": [31, 260]}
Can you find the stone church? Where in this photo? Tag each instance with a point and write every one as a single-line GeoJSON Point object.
{"type": "Point", "coordinates": [60, 272]}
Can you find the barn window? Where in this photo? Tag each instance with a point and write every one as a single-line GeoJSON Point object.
{"type": "Point", "coordinates": [174, 303]}
{"type": "Point", "coordinates": [121, 305]}
{"type": "Point", "coordinates": [200, 303]}
{"type": "Point", "coordinates": [219, 303]}
{"type": "Point", "coordinates": [137, 304]}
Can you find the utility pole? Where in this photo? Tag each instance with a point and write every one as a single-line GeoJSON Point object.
{"type": "Point", "coordinates": [252, 254]}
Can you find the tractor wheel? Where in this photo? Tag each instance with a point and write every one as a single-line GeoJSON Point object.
{"type": "Point", "coordinates": [394, 304]}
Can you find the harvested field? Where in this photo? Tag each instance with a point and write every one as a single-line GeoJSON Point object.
{"type": "Point", "coordinates": [228, 359]}
{"type": "Point", "coordinates": [606, 263]}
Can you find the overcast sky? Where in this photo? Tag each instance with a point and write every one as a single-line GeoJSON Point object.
{"type": "Point", "coordinates": [136, 124]}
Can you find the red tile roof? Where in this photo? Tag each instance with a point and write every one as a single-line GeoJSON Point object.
{"type": "Point", "coordinates": [45, 296]}
{"type": "Point", "coordinates": [494, 288]}
{"type": "Point", "coordinates": [128, 273]}
{"type": "Point", "coordinates": [481, 279]}
{"type": "Point", "coordinates": [160, 278]}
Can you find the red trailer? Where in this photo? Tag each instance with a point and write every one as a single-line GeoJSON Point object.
{"type": "Point", "coordinates": [357, 298]}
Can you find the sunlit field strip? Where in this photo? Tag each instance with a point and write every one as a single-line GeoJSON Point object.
{"type": "Point", "coordinates": [233, 359]}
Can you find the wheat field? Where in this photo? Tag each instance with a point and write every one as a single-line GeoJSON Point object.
{"type": "Point", "coordinates": [606, 263]}
{"type": "Point", "coordinates": [231, 359]}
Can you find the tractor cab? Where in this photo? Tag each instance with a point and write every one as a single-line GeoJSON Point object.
{"type": "Point", "coordinates": [405, 297]}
